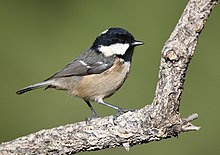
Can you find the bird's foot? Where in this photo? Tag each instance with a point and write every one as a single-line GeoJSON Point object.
{"type": "Point", "coordinates": [90, 118]}
{"type": "Point", "coordinates": [122, 111]}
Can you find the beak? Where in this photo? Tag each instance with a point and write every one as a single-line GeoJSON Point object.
{"type": "Point", "coordinates": [137, 43]}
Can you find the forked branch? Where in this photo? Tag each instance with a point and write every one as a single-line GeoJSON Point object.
{"type": "Point", "coordinates": [157, 121]}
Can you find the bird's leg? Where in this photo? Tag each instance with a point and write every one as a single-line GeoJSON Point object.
{"type": "Point", "coordinates": [120, 110]}
{"type": "Point", "coordinates": [91, 108]}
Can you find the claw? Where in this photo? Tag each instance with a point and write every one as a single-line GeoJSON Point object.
{"type": "Point", "coordinates": [89, 119]}
{"type": "Point", "coordinates": [122, 111]}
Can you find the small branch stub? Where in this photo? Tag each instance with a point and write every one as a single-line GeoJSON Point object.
{"type": "Point", "coordinates": [187, 126]}
{"type": "Point", "coordinates": [126, 146]}
{"type": "Point", "coordinates": [170, 54]}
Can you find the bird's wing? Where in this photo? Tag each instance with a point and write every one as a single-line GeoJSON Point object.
{"type": "Point", "coordinates": [89, 62]}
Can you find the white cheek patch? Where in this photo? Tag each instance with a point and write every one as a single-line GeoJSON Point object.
{"type": "Point", "coordinates": [114, 49]}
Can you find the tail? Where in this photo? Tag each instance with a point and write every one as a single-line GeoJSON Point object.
{"type": "Point", "coordinates": [34, 86]}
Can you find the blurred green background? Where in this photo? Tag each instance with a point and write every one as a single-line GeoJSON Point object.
{"type": "Point", "coordinates": [39, 37]}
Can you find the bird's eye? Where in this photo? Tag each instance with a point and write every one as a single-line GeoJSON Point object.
{"type": "Point", "coordinates": [122, 41]}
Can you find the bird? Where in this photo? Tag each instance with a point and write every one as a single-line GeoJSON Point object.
{"type": "Point", "coordinates": [98, 72]}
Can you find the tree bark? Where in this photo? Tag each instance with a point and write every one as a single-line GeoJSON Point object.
{"type": "Point", "coordinates": [157, 121]}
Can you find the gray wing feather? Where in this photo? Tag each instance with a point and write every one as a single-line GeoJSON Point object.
{"type": "Point", "coordinates": [93, 63]}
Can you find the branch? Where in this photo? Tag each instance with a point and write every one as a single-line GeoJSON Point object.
{"type": "Point", "coordinates": [154, 122]}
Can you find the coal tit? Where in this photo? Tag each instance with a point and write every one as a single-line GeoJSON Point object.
{"type": "Point", "coordinates": [98, 72]}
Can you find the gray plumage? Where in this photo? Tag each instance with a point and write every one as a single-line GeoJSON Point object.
{"type": "Point", "coordinates": [96, 63]}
